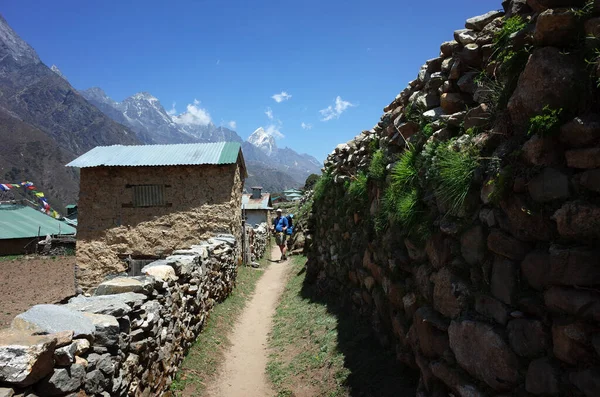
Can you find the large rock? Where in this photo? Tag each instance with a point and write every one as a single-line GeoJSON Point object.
{"type": "Point", "coordinates": [571, 342]}
{"type": "Point", "coordinates": [452, 378]}
{"type": "Point", "coordinates": [583, 158]}
{"type": "Point", "coordinates": [451, 294]}
{"type": "Point", "coordinates": [528, 338]}
{"type": "Point", "coordinates": [477, 117]}
{"type": "Point", "coordinates": [492, 308]}
{"type": "Point", "coordinates": [25, 359]}
{"type": "Point", "coordinates": [452, 102]}
{"type": "Point", "coordinates": [160, 272]}
{"type": "Point", "coordinates": [6, 392]}
{"type": "Point", "coordinates": [470, 55]}
{"type": "Point", "coordinates": [589, 179]}
{"type": "Point", "coordinates": [431, 331]}
{"type": "Point", "coordinates": [524, 223]}
{"type": "Point", "coordinates": [545, 151]}
{"type": "Point", "coordinates": [119, 285]}
{"type": "Point", "coordinates": [504, 280]}
{"type": "Point", "coordinates": [62, 380]}
{"type": "Point", "coordinates": [53, 318]}
{"type": "Point", "coordinates": [449, 47]}
{"type": "Point", "coordinates": [558, 27]}
{"type": "Point", "coordinates": [465, 36]}
{"type": "Point", "coordinates": [574, 266]}
{"type": "Point", "coordinates": [582, 303]}
{"type": "Point", "coordinates": [549, 185]}
{"type": "Point", "coordinates": [551, 78]}
{"type": "Point", "coordinates": [492, 361]}
{"type": "Point", "coordinates": [118, 305]}
{"type": "Point", "coordinates": [581, 131]}
{"type": "Point", "coordinates": [543, 377]}
{"type": "Point", "coordinates": [507, 246]}
{"type": "Point", "coordinates": [535, 268]}
{"type": "Point", "coordinates": [588, 381]}
{"type": "Point", "coordinates": [439, 250]}
{"type": "Point", "coordinates": [578, 220]}
{"type": "Point", "coordinates": [479, 22]}
{"type": "Point", "coordinates": [473, 244]}
{"type": "Point", "coordinates": [107, 329]}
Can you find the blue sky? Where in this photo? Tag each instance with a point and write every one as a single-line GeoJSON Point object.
{"type": "Point", "coordinates": [228, 59]}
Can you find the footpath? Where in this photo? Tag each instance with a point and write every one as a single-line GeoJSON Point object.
{"type": "Point", "coordinates": [243, 369]}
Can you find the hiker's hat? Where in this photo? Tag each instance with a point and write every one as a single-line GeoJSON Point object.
{"type": "Point", "coordinates": [278, 209]}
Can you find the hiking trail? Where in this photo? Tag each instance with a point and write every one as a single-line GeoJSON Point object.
{"type": "Point", "coordinates": [243, 370]}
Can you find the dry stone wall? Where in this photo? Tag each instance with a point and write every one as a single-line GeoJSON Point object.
{"type": "Point", "coordinates": [129, 338]}
{"type": "Point", "coordinates": [466, 223]}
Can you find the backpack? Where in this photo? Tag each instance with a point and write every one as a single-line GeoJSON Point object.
{"type": "Point", "coordinates": [290, 221]}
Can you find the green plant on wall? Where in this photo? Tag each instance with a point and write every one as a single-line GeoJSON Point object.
{"type": "Point", "coordinates": [404, 173]}
{"type": "Point", "coordinates": [324, 183]}
{"type": "Point", "coordinates": [377, 166]}
{"type": "Point", "coordinates": [357, 191]}
{"type": "Point", "coordinates": [545, 124]}
{"type": "Point", "coordinates": [501, 42]}
{"type": "Point", "coordinates": [455, 174]}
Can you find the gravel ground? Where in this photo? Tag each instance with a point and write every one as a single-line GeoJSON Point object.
{"type": "Point", "coordinates": [30, 280]}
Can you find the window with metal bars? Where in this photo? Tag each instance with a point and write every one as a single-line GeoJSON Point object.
{"type": "Point", "coordinates": [149, 196]}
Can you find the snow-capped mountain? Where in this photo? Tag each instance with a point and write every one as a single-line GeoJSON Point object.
{"type": "Point", "coordinates": [143, 113]}
{"type": "Point", "coordinates": [264, 141]}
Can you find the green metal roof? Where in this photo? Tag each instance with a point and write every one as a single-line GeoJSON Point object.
{"type": "Point", "coordinates": [70, 206]}
{"type": "Point", "coordinates": [21, 221]}
{"type": "Point", "coordinates": [160, 155]}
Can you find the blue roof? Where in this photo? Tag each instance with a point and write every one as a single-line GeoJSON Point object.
{"type": "Point", "coordinates": [21, 221]}
{"type": "Point", "coordinates": [160, 155]}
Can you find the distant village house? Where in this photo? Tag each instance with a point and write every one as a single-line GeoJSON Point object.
{"type": "Point", "coordinates": [257, 207]}
{"type": "Point", "coordinates": [146, 201]}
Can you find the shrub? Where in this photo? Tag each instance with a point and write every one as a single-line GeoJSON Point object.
{"type": "Point", "coordinates": [545, 124]}
{"type": "Point", "coordinates": [324, 183]}
{"type": "Point", "coordinates": [357, 191]}
{"type": "Point", "coordinates": [455, 173]}
{"type": "Point", "coordinates": [377, 166]}
{"type": "Point", "coordinates": [310, 181]}
{"type": "Point", "coordinates": [373, 145]}
{"type": "Point", "coordinates": [404, 174]}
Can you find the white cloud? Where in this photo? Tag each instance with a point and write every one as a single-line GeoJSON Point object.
{"type": "Point", "coordinates": [306, 126]}
{"type": "Point", "coordinates": [172, 111]}
{"type": "Point", "coordinates": [232, 124]}
{"type": "Point", "coordinates": [334, 112]}
{"type": "Point", "coordinates": [283, 96]}
{"type": "Point", "coordinates": [269, 113]}
{"type": "Point", "coordinates": [194, 115]}
{"type": "Point", "coordinates": [274, 131]}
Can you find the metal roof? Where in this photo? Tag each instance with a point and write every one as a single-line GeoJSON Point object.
{"type": "Point", "coordinates": [160, 155]}
{"type": "Point", "coordinates": [263, 203]}
{"type": "Point", "coordinates": [21, 221]}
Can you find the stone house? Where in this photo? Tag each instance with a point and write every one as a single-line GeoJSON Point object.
{"type": "Point", "coordinates": [257, 207]}
{"type": "Point", "coordinates": [144, 202]}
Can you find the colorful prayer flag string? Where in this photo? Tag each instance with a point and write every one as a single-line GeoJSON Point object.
{"type": "Point", "coordinates": [45, 207]}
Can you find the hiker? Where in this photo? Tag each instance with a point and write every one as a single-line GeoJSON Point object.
{"type": "Point", "coordinates": [279, 228]}
{"type": "Point", "coordinates": [289, 231]}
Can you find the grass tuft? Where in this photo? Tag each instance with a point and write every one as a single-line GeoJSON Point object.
{"type": "Point", "coordinates": [377, 166]}
{"type": "Point", "coordinates": [324, 183]}
{"type": "Point", "coordinates": [456, 171]}
{"type": "Point", "coordinates": [404, 173]}
{"type": "Point", "coordinates": [358, 191]}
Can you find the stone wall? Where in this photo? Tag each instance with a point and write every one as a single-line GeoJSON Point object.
{"type": "Point", "coordinates": [129, 338]}
{"type": "Point", "coordinates": [202, 200]}
{"type": "Point", "coordinates": [259, 238]}
{"type": "Point", "coordinates": [466, 223]}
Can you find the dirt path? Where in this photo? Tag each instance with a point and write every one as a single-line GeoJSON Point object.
{"type": "Point", "coordinates": [243, 369]}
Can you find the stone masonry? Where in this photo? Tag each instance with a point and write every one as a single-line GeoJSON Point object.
{"type": "Point", "coordinates": [129, 338]}
{"type": "Point", "coordinates": [500, 296]}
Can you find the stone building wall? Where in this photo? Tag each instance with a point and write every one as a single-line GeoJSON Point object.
{"type": "Point", "coordinates": [203, 199]}
{"type": "Point", "coordinates": [466, 223]}
{"type": "Point", "coordinates": [129, 338]}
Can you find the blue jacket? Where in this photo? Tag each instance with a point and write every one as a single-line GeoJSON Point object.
{"type": "Point", "coordinates": [280, 223]}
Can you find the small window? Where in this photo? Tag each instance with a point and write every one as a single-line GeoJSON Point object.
{"type": "Point", "coordinates": [149, 196]}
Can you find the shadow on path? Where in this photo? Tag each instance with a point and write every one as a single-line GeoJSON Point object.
{"type": "Point", "coordinates": [374, 371]}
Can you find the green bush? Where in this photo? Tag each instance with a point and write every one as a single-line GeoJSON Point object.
{"type": "Point", "coordinates": [502, 37]}
{"type": "Point", "coordinates": [324, 184]}
{"type": "Point", "coordinates": [310, 181]}
{"type": "Point", "coordinates": [455, 173]}
{"type": "Point", "coordinates": [377, 166]}
{"type": "Point", "coordinates": [545, 124]}
{"type": "Point", "coordinates": [404, 173]}
{"type": "Point", "coordinates": [374, 145]}
{"type": "Point", "coordinates": [358, 191]}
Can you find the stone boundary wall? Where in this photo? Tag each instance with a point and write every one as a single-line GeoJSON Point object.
{"type": "Point", "coordinates": [129, 338]}
{"type": "Point", "coordinates": [500, 295]}
{"type": "Point", "coordinates": [259, 238]}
